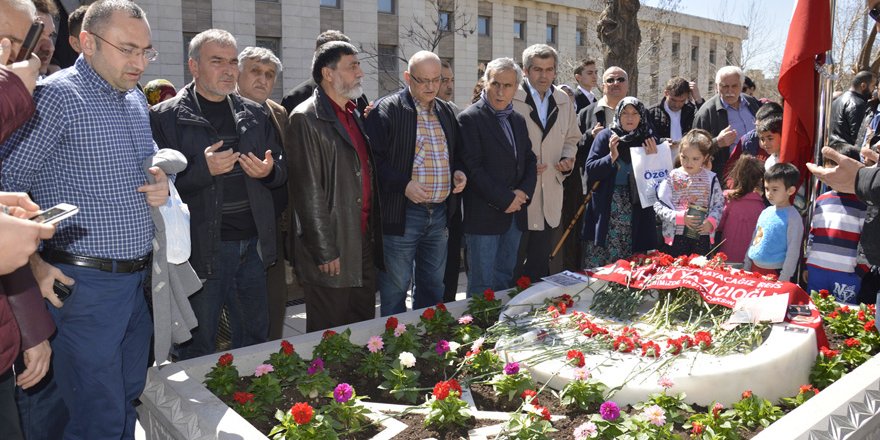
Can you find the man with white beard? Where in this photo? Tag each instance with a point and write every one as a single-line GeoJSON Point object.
{"type": "Point", "coordinates": [338, 236]}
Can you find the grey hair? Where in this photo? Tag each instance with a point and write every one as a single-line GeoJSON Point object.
{"type": "Point", "coordinates": [539, 51]}
{"type": "Point", "coordinates": [219, 36]}
{"type": "Point", "coordinates": [501, 65]}
{"type": "Point", "coordinates": [727, 71]}
{"type": "Point", "coordinates": [26, 6]}
{"type": "Point", "coordinates": [260, 54]}
{"type": "Point", "coordinates": [99, 13]}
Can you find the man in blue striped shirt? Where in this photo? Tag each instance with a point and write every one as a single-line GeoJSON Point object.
{"type": "Point", "coordinates": [86, 145]}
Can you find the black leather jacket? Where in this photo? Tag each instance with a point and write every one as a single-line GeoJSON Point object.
{"type": "Point", "coordinates": [847, 114]}
{"type": "Point", "coordinates": [178, 124]}
{"type": "Point", "coordinates": [326, 175]}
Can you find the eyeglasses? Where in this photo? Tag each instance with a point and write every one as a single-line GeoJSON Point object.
{"type": "Point", "coordinates": [424, 82]}
{"type": "Point", "coordinates": [618, 80]}
{"type": "Point", "coordinates": [148, 54]}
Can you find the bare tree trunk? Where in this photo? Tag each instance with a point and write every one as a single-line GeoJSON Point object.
{"type": "Point", "coordinates": [620, 35]}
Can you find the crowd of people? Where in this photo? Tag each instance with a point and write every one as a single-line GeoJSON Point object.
{"type": "Point", "coordinates": [359, 196]}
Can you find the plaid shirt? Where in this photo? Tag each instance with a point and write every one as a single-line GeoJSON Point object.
{"type": "Point", "coordinates": [431, 160]}
{"type": "Point", "coordinates": [85, 146]}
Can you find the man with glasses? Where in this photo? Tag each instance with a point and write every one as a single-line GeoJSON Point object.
{"type": "Point", "coordinates": [86, 147]}
{"type": "Point", "coordinates": [596, 116]}
{"type": "Point", "coordinates": [234, 162]}
{"type": "Point", "coordinates": [415, 139]}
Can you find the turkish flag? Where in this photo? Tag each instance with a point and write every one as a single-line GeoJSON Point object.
{"type": "Point", "coordinates": [809, 36]}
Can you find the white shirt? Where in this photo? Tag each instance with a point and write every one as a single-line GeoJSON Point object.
{"type": "Point", "coordinates": [674, 122]}
{"type": "Point", "coordinates": [587, 93]}
{"type": "Point", "coordinates": [542, 105]}
{"type": "Point", "coordinates": [770, 161]}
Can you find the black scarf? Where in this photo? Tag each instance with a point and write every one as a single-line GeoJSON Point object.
{"type": "Point", "coordinates": [635, 138]}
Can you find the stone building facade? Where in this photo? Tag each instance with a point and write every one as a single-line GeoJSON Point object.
{"type": "Point", "coordinates": [672, 43]}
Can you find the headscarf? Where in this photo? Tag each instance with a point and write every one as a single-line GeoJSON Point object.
{"type": "Point", "coordinates": [635, 138]}
{"type": "Point", "coordinates": [159, 90]}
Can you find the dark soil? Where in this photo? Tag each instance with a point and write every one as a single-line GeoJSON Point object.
{"type": "Point", "coordinates": [418, 431]}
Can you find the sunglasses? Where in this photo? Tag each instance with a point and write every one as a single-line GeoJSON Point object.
{"type": "Point", "coordinates": [615, 80]}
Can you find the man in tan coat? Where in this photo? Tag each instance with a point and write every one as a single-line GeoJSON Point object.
{"type": "Point", "coordinates": [552, 124]}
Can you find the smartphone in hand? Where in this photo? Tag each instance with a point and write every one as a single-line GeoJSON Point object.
{"type": "Point", "coordinates": [55, 214]}
{"type": "Point", "coordinates": [30, 41]}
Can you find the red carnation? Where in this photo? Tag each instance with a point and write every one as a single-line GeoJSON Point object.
{"type": "Point", "coordinates": [623, 344]}
{"type": "Point", "coordinates": [696, 429]}
{"type": "Point", "coordinates": [441, 390]}
{"type": "Point", "coordinates": [721, 256]}
{"type": "Point", "coordinates": [578, 356]}
{"type": "Point", "coordinates": [861, 315]}
{"type": "Point", "coordinates": [824, 293]}
{"type": "Point", "coordinates": [391, 323]}
{"type": "Point", "coordinates": [489, 295]}
{"type": "Point", "coordinates": [650, 349]}
{"type": "Point", "coordinates": [428, 313]}
{"type": "Point", "coordinates": [532, 394]}
{"type": "Point", "coordinates": [302, 413]}
{"type": "Point", "coordinates": [327, 334]}
{"type": "Point", "coordinates": [747, 394]}
{"type": "Point", "coordinates": [545, 413]}
{"type": "Point", "coordinates": [844, 309]}
{"type": "Point", "coordinates": [225, 360]}
{"type": "Point", "coordinates": [441, 306]}
{"type": "Point", "coordinates": [454, 385]}
{"type": "Point", "coordinates": [852, 342]}
{"type": "Point", "coordinates": [286, 347]}
{"type": "Point", "coordinates": [828, 353]}
{"type": "Point", "coordinates": [716, 410]}
{"type": "Point", "coordinates": [870, 326]}
{"type": "Point", "coordinates": [687, 341]}
{"type": "Point", "coordinates": [562, 307]}
{"type": "Point", "coordinates": [241, 397]}
{"type": "Point", "coordinates": [703, 339]}
{"type": "Point", "coordinates": [673, 346]}
{"type": "Point", "coordinates": [523, 282]}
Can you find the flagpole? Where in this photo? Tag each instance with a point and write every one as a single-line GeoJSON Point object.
{"type": "Point", "coordinates": [823, 115]}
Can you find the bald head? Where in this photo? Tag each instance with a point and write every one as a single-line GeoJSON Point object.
{"type": "Point", "coordinates": [423, 76]}
{"type": "Point", "coordinates": [16, 17]}
{"type": "Point", "coordinates": [615, 85]}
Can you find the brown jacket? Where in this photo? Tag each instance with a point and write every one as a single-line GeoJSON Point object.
{"type": "Point", "coordinates": [326, 190]}
{"type": "Point", "coordinates": [559, 139]}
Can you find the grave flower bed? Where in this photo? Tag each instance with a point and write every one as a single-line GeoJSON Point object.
{"type": "Point", "coordinates": [439, 372]}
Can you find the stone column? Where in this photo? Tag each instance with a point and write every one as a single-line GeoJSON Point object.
{"type": "Point", "coordinates": [466, 58]}
{"type": "Point", "coordinates": [300, 24]}
{"type": "Point", "coordinates": [237, 17]}
{"type": "Point", "coordinates": [166, 25]}
{"type": "Point", "coordinates": [359, 23]}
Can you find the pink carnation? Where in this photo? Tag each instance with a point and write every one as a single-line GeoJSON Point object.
{"type": "Point", "coordinates": [263, 369]}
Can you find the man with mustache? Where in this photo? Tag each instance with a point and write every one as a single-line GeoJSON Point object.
{"type": "Point", "coordinates": [86, 147]}
{"type": "Point", "coordinates": [339, 235]}
{"type": "Point", "coordinates": [234, 160]}
{"type": "Point", "coordinates": [727, 115]}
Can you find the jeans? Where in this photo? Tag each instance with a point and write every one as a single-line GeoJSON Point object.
{"type": "Point", "coordinates": [491, 260]}
{"type": "Point", "coordinates": [423, 242]}
{"type": "Point", "coordinates": [99, 359]}
{"type": "Point", "coordinates": [240, 285]}
{"type": "Point", "coordinates": [844, 286]}
{"type": "Point", "coordinates": [9, 425]}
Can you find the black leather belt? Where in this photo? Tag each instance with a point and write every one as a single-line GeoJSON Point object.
{"type": "Point", "coordinates": [117, 266]}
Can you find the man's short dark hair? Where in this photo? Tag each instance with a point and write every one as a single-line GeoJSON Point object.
{"type": "Point", "coordinates": [46, 7]}
{"type": "Point", "coordinates": [862, 77]}
{"type": "Point", "coordinates": [786, 172]}
{"type": "Point", "coordinates": [678, 86]}
{"type": "Point", "coordinates": [584, 63]}
{"type": "Point", "coordinates": [768, 109]}
{"type": "Point", "coordinates": [330, 35]}
{"type": "Point", "coordinates": [845, 149]}
{"type": "Point", "coordinates": [75, 20]}
{"type": "Point", "coordinates": [772, 124]}
{"type": "Point", "coordinates": [100, 12]}
{"type": "Point", "coordinates": [748, 84]}
{"type": "Point", "coordinates": [328, 55]}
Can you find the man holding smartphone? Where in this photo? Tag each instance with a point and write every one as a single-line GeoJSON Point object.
{"type": "Point", "coordinates": [86, 148]}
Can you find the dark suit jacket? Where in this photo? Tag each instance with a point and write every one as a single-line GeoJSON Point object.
{"type": "Point", "coordinates": [581, 100]}
{"type": "Point", "coordinates": [662, 123]}
{"type": "Point", "coordinates": [305, 90]}
{"type": "Point", "coordinates": [391, 127]}
{"type": "Point", "coordinates": [493, 170]}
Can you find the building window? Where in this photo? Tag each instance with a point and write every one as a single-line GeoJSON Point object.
{"type": "Point", "coordinates": [386, 6]}
{"type": "Point", "coordinates": [695, 53]}
{"type": "Point", "coordinates": [579, 38]}
{"type": "Point", "coordinates": [483, 25]}
{"type": "Point", "coordinates": [711, 87]}
{"type": "Point", "coordinates": [676, 46]}
{"type": "Point", "coordinates": [271, 43]}
{"type": "Point", "coordinates": [388, 75]}
{"type": "Point", "coordinates": [519, 30]}
{"type": "Point", "coordinates": [331, 3]}
{"type": "Point", "coordinates": [711, 56]}
{"type": "Point", "coordinates": [551, 34]}
{"type": "Point", "coordinates": [444, 22]}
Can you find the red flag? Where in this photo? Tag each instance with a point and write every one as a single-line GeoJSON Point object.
{"type": "Point", "coordinates": [809, 35]}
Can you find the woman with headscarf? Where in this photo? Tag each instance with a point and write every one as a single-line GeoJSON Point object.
{"type": "Point", "coordinates": [615, 225]}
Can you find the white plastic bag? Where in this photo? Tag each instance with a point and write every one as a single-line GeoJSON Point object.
{"type": "Point", "coordinates": [649, 170]}
{"type": "Point", "coordinates": [175, 214]}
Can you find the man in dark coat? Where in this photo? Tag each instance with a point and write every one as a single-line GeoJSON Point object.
{"type": "Point", "coordinates": [674, 115]}
{"type": "Point", "coordinates": [848, 110]}
{"type": "Point", "coordinates": [503, 172]}
{"type": "Point", "coordinates": [305, 89]}
{"type": "Point", "coordinates": [339, 236]}
{"type": "Point", "coordinates": [415, 140]}
{"type": "Point", "coordinates": [727, 115]}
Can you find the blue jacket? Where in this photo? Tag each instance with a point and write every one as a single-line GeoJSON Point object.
{"type": "Point", "coordinates": [598, 213]}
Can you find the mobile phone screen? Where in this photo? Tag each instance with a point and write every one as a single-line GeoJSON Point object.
{"type": "Point", "coordinates": [30, 41]}
{"type": "Point", "coordinates": [55, 214]}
